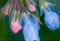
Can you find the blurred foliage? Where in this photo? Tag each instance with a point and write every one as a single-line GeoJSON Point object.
{"type": "Point", "coordinates": [44, 33]}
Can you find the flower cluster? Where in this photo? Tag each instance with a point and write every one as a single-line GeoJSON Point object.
{"type": "Point", "coordinates": [28, 11]}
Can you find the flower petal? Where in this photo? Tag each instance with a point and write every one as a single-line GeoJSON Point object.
{"type": "Point", "coordinates": [31, 7]}
{"type": "Point", "coordinates": [6, 9]}
{"type": "Point", "coordinates": [30, 32]}
{"type": "Point", "coordinates": [51, 19]}
{"type": "Point", "coordinates": [15, 27]}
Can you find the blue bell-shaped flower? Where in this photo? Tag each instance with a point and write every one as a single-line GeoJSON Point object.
{"type": "Point", "coordinates": [30, 31]}
{"type": "Point", "coordinates": [51, 19]}
{"type": "Point", "coordinates": [33, 19]}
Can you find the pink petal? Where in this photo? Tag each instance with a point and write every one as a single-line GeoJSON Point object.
{"type": "Point", "coordinates": [15, 27]}
{"type": "Point", "coordinates": [6, 10]}
{"type": "Point", "coordinates": [31, 7]}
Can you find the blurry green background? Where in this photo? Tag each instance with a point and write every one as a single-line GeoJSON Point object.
{"type": "Point", "coordinates": [44, 33]}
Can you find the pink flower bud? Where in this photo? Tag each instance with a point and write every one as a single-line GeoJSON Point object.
{"type": "Point", "coordinates": [15, 27]}
{"type": "Point", "coordinates": [6, 9]}
{"type": "Point", "coordinates": [31, 7]}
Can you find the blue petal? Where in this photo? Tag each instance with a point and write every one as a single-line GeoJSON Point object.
{"type": "Point", "coordinates": [34, 21]}
{"type": "Point", "coordinates": [45, 11]}
{"type": "Point", "coordinates": [30, 32]}
{"type": "Point", "coordinates": [51, 19]}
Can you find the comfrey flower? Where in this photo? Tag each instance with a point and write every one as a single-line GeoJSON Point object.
{"type": "Point", "coordinates": [15, 23]}
{"type": "Point", "coordinates": [51, 19]}
{"type": "Point", "coordinates": [6, 9]}
{"type": "Point", "coordinates": [30, 30]}
{"type": "Point", "coordinates": [15, 26]}
{"type": "Point", "coordinates": [31, 6]}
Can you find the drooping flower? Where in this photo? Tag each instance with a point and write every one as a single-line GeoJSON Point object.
{"type": "Point", "coordinates": [30, 30]}
{"type": "Point", "coordinates": [51, 19]}
{"type": "Point", "coordinates": [15, 26]}
{"type": "Point", "coordinates": [15, 22]}
{"type": "Point", "coordinates": [31, 6]}
{"type": "Point", "coordinates": [15, 17]}
{"type": "Point", "coordinates": [6, 9]}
